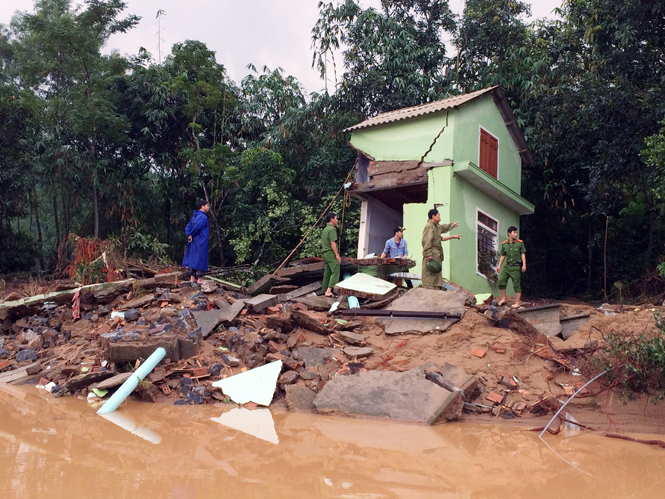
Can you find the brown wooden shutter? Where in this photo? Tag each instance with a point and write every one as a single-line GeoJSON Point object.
{"type": "Point", "coordinates": [489, 153]}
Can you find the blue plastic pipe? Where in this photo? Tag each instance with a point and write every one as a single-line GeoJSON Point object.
{"type": "Point", "coordinates": [132, 382]}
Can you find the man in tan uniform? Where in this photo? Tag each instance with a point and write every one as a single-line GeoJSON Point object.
{"type": "Point", "coordinates": [432, 249]}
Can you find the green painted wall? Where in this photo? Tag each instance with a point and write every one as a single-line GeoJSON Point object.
{"type": "Point", "coordinates": [468, 199]}
{"type": "Point", "coordinates": [482, 112]}
{"type": "Point", "coordinates": [459, 202]}
{"type": "Point", "coordinates": [408, 139]}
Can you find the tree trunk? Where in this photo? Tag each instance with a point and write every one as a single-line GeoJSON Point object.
{"type": "Point", "coordinates": [95, 204]}
{"type": "Point", "coordinates": [65, 214]}
{"type": "Point", "coordinates": [35, 210]}
{"type": "Point", "coordinates": [652, 219]}
{"type": "Point", "coordinates": [590, 258]}
{"type": "Point", "coordinates": [57, 222]}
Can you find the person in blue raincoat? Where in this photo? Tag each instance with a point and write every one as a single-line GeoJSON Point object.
{"type": "Point", "coordinates": [196, 254]}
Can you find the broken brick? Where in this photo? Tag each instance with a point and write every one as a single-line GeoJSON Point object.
{"type": "Point", "coordinates": [200, 371]}
{"type": "Point", "coordinates": [478, 352]}
{"type": "Point", "coordinates": [275, 310]}
{"type": "Point", "coordinates": [243, 312]}
{"type": "Point", "coordinates": [494, 397]}
{"type": "Point", "coordinates": [499, 348]}
{"type": "Point", "coordinates": [4, 364]}
{"type": "Point", "coordinates": [273, 347]}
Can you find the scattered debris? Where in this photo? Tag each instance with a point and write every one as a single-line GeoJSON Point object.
{"type": "Point", "coordinates": [256, 385]}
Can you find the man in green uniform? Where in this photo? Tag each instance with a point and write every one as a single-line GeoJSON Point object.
{"type": "Point", "coordinates": [513, 253]}
{"type": "Point", "coordinates": [331, 258]}
{"type": "Point", "coordinates": [432, 249]}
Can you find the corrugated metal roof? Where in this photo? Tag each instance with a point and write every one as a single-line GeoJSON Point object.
{"type": "Point", "coordinates": [423, 109]}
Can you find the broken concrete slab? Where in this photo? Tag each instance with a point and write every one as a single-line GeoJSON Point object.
{"type": "Point", "coordinates": [302, 291]}
{"type": "Point", "coordinates": [315, 356]}
{"type": "Point", "coordinates": [310, 323]}
{"type": "Point", "coordinates": [459, 377]}
{"type": "Point", "coordinates": [20, 373]}
{"type": "Point", "coordinates": [299, 398]}
{"type": "Point", "coordinates": [140, 302]}
{"type": "Point", "coordinates": [264, 284]}
{"type": "Point", "coordinates": [177, 347]}
{"type": "Point", "coordinates": [256, 385]}
{"type": "Point", "coordinates": [545, 318]}
{"type": "Point", "coordinates": [230, 314]}
{"type": "Point", "coordinates": [358, 351]}
{"type": "Point", "coordinates": [207, 320]}
{"type": "Point", "coordinates": [260, 303]}
{"type": "Point", "coordinates": [424, 300]}
{"type": "Point", "coordinates": [352, 338]}
{"type": "Point", "coordinates": [363, 285]}
{"type": "Point", "coordinates": [572, 323]}
{"type": "Point", "coordinates": [389, 395]}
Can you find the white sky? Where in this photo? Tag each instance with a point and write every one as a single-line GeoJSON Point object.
{"type": "Point", "coordinates": [275, 33]}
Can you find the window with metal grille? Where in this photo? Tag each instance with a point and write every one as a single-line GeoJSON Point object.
{"type": "Point", "coordinates": [488, 159]}
{"type": "Point", "coordinates": [487, 246]}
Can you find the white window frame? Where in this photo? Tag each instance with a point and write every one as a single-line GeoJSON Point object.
{"type": "Point", "coordinates": [498, 149]}
{"type": "Point", "coordinates": [489, 229]}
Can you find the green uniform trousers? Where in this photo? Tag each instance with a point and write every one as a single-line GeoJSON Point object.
{"type": "Point", "coordinates": [515, 273]}
{"type": "Point", "coordinates": [330, 270]}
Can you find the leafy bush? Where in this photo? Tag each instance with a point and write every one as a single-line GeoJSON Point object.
{"type": "Point", "coordinates": [19, 252]}
{"type": "Point", "coordinates": [638, 362]}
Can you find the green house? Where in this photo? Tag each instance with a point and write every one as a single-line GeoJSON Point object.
{"type": "Point", "coordinates": [462, 155]}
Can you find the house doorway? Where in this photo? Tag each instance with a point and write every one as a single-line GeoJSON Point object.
{"type": "Point", "coordinates": [381, 212]}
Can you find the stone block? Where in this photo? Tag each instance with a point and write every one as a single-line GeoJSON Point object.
{"type": "Point", "coordinates": [389, 395]}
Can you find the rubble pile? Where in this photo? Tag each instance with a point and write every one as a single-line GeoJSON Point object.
{"type": "Point", "coordinates": [375, 361]}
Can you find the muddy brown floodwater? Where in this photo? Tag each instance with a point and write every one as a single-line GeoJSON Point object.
{"type": "Point", "coordinates": [59, 448]}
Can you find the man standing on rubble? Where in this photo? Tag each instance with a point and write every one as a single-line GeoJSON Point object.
{"type": "Point", "coordinates": [432, 249]}
{"type": "Point", "coordinates": [513, 253]}
{"type": "Point", "coordinates": [330, 255]}
{"type": "Point", "coordinates": [196, 254]}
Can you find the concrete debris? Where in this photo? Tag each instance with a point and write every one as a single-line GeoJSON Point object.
{"type": "Point", "coordinates": [354, 352]}
{"type": "Point", "coordinates": [545, 318]}
{"type": "Point", "coordinates": [404, 396]}
{"type": "Point", "coordinates": [352, 338]}
{"type": "Point", "coordinates": [300, 398]}
{"type": "Point", "coordinates": [424, 300]}
{"type": "Point", "coordinates": [256, 385]}
{"type": "Point", "coordinates": [363, 285]}
{"type": "Point", "coordinates": [306, 321]}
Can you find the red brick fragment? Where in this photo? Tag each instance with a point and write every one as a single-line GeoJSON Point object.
{"type": "Point", "coordinates": [243, 312]}
{"type": "Point", "coordinates": [200, 371]}
{"type": "Point", "coordinates": [478, 352]}
{"type": "Point", "coordinates": [273, 347]}
{"type": "Point", "coordinates": [499, 348]}
{"type": "Point", "coordinates": [4, 364]}
{"type": "Point", "coordinates": [43, 381]}
{"type": "Point", "coordinates": [494, 397]}
{"type": "Point", "coordinates": [275, 310]}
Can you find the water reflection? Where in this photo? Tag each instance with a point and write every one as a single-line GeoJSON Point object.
{"type": "Point", "coordinates": [258, 423]}
{"type": "Point", "coordinates": [51, 447]}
